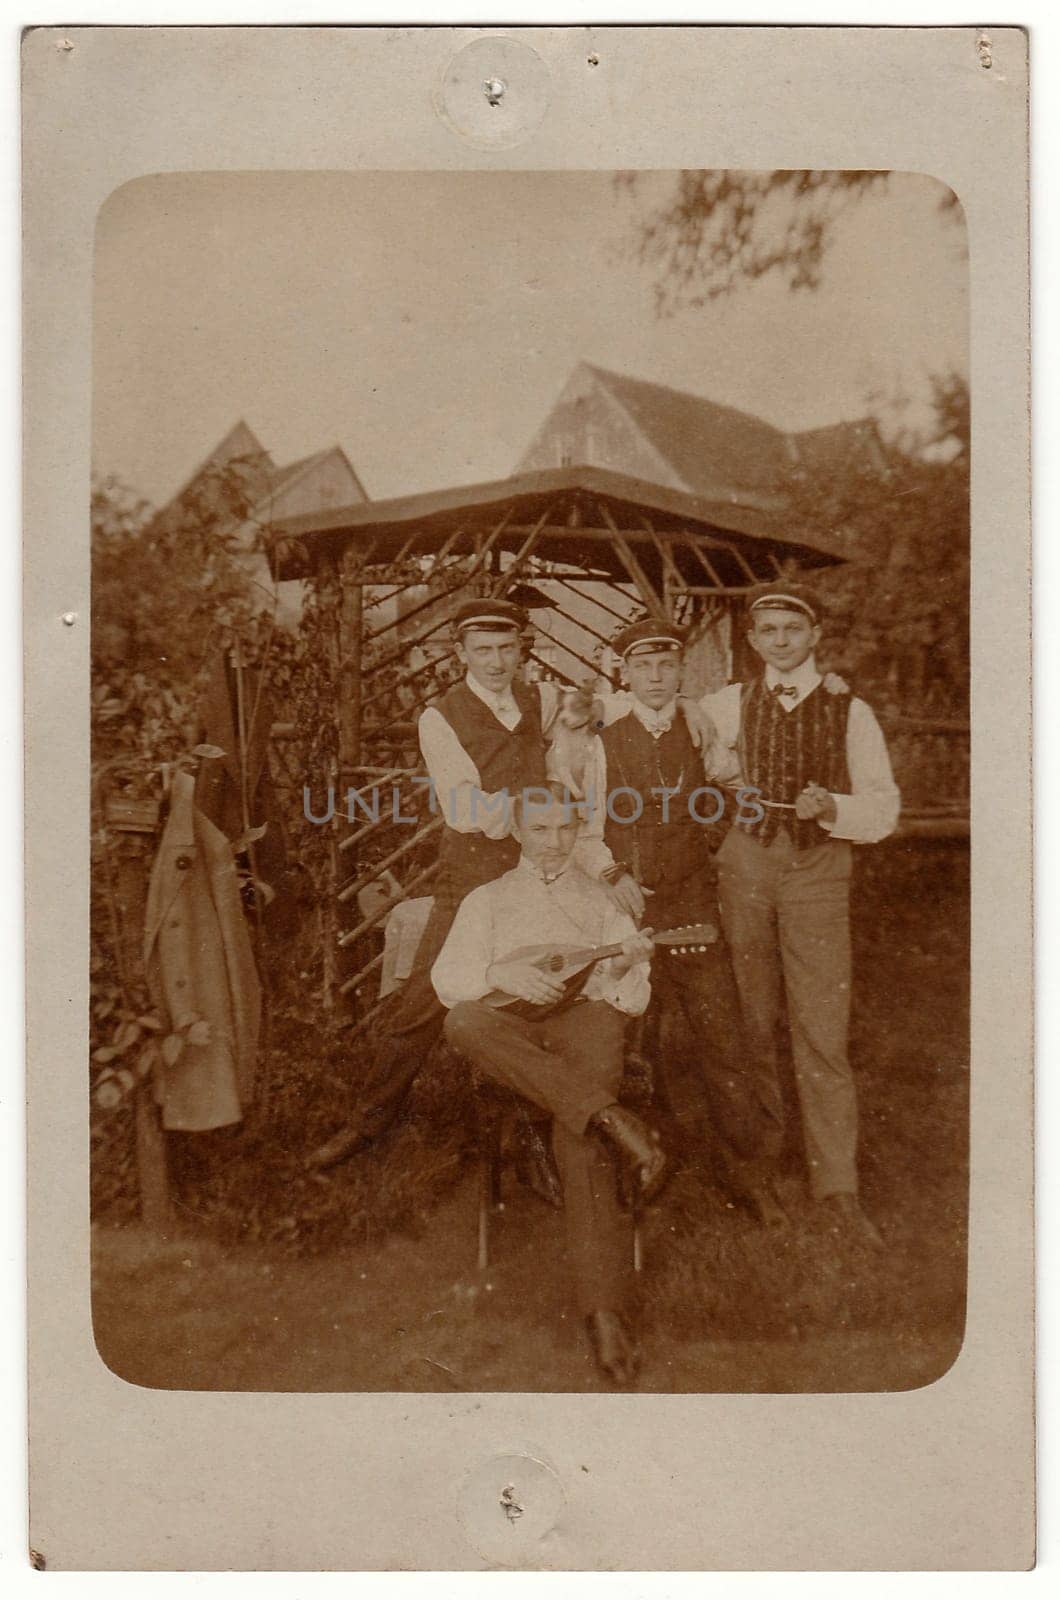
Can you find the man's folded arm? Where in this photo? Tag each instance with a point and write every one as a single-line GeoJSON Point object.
{"type": "Point", "coordinates": [870, 812]}
{"type": "Point", "coordinates": [591, 852]}
{"type": "Point", "coordinates": [457, 786]}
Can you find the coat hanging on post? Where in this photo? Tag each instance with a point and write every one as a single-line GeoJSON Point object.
{"type": "Point", "coordinates": [220, 786]}
{"type": "Point", "coordinates": [200, 968]}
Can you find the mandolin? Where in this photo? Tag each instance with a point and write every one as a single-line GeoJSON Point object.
{"type": "Point", "coordinates": [572, 965]}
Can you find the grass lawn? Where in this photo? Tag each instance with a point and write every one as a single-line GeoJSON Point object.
{"type": "Point", "coordinates": [365, 1279]}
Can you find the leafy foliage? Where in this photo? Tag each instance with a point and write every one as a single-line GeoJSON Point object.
{"type": "Point", "coordinates": [900, 606]}
{"type": "Point", "coordinates": [724, 229]}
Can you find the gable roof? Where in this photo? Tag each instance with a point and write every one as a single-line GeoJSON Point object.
{"type": "Point", "coordinates": [240, 443]}
{"type": "Point", "coordinates": [707, 444]}
{"type": "Point", "coordinates": [841, 444]}
{"type": "Point", "coordinates": [283, 477]}
{"type": "Point", "coordinates": [263, 478]}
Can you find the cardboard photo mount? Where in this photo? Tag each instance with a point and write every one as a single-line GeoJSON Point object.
{"type": "Point", "coordinates": [124, 1477]}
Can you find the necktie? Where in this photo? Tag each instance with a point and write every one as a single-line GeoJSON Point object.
{"type": "Point", "coordinates": [785, 690]}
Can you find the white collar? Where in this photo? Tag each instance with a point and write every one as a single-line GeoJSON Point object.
{"type": "Point", "coordinates": [656, 722]}
{"type": "Point", "coordinates": [804, 677]}
{"type": "Point", "coordinates": [496, 702]}
{"type": "Point", "coordinates": [526, 865]}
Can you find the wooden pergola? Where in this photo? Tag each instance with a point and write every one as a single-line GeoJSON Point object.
{"type": "Point", "coordinates": [589, 544]}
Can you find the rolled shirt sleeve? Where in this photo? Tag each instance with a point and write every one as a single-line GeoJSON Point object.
{"type": "Point", "coordinates": [551, 704]}
{"type": "Point", "coordinates": [455, 778]}
{"type": "Point", "coordinates": [631, 992]}
{"type": "Point", "coordinates": [459, 972]}
{"type": "Point", "coordinates": [870, 811]}
{"type": "Point", "coordinates": [723, 708]}
{"type": "Point", "coordinates": [592, 853]}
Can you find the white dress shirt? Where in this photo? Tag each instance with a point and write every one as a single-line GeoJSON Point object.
{"type": "Point", "coordinates": [870, 811]}
{"type": "Point", "coordinates": [457, 785]}
{"type": "Point", "coordinates": [522, 908]}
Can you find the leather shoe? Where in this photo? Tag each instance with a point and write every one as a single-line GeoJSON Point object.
{"type": "Point", "coordinates": [639, 1147]}
{"type": "Point", "coordinates": [766, 1208]}
{"type": "Point", "coordinates": [535, 1166]}
{"type": "Point", "coordinates": [337, 1149]}
{"type": "Point", "coordinates": [847, 1212]}
{"type": "Point", "coordinates": [616, 1353]}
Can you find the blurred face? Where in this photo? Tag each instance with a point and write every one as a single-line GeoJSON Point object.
{"type": "Point", "coordinates": [654, 676]}
{"type": "Point", "coordinates": [547, 832]}
{"type": "Point", "coordinates": [783, 639]}
{"type": "Point", "coordinates": [490, 657]}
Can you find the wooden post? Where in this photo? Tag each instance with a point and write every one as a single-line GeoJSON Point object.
{"type": "Point", "coordinates": [330, 597]}
{"type": "Point", "coordinates": [132, 855]}
{"type": "Point", "coordinates": [351, 635]}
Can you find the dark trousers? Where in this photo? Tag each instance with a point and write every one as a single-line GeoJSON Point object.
{"type": "Point", "coordinates": [702, 989]}
{"type": "Point", "coordinates": [411, 1028]}
{"type": "Point", "coordinates": [787, 920]}
{"type": "Point", "coordinates": [569, 1065]}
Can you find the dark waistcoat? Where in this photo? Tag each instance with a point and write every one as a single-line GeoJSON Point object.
{"type": "Point", "coordinates": [506, 759]}
{"type": "Point", "coordinates": [662, 854]}
{"type": "Point", "coordinates": [782, 751]}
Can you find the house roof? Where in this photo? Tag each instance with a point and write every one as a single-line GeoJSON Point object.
{"type": "Point", "coordinates": [707, 444]}
{"type": "Point", "coordinates": [283, 477]}
{"type": "Point", "coordinates": [841, 444]}
{"type": "Point", "coordinates": [240, 443]}
{"type": "Point", "coordinates": [578, 506]}
{"type": "Point", "coordinates": [714, 447]}
{"type": "Point", "coordinates": [267, 480]}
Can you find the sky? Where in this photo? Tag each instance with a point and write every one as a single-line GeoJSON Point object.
{"type": "Point", "coordinates": [426, 322]}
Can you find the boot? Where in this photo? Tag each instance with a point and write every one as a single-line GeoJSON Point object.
{"type": "Point", "coordinates": [847, 1215]}
{"type": "Point", "coordinates": [535, 1165]}
{"type": "Point", "coordinates": [615, 1351]}
{"type": "Point", "coordinates": [638, 1146]}
{"type": "Point", "coordinates": [338, 1148]}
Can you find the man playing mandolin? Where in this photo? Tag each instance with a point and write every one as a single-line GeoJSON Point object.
{"type": "Point", "coordinates": [557, 1039]}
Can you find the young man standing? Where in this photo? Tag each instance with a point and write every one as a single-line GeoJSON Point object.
{"type": "Point", "coordinates": [483, 742]}
{"type": "Point", "coordinates": [819, 763]}
{"type": "Point", "coordinates": [653, 840]}
{"type": "Point", "coordinates": [568, 1061]}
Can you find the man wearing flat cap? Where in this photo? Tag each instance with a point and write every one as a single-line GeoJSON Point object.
{"type": "Point", "coordinates": [484, 741]}
{"type": "Point", "coordinates": [653, 840]}
{"type": "Point", "coordinates": [819, 764]}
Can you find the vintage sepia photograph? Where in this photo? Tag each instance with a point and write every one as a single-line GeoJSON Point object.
{"type": "Point", "coordinates": [530, 730]}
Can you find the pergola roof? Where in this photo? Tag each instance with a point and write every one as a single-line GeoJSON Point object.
{"type": "Point", "coordinates": [578, 507]}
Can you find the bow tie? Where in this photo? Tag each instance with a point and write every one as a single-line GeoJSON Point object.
{"type": "Point", "coordinates": [654, 722]}
{"type": "Point", "coordinates": [785, 690]}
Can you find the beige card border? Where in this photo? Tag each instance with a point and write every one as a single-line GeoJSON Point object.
{"type": "Point", "coordinates": [125, 1477]}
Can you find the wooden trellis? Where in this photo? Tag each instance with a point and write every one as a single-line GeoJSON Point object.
{"type": "Point", "coordinates": [589, 547]}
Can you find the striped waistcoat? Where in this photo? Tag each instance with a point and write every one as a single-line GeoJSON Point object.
{"type": "Point", "coordinates": [782, 751]}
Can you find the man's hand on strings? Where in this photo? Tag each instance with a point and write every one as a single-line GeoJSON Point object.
{"type": "Point", "coordinates": [525, 981]}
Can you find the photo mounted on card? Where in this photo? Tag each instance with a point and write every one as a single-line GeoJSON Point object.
{"type": "Point", "coordinates": [522, 923]}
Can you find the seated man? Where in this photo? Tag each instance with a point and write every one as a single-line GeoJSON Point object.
{"type": "Point", "coordinates": [569, 1059]}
